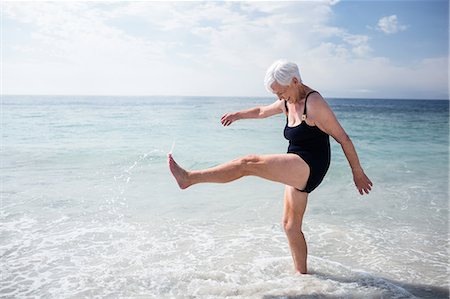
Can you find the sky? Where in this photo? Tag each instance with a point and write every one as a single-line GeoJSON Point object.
{"type": "Point", "coordinates": [356, 49]}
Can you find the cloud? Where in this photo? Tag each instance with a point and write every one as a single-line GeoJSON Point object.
{"type": "Point", "coordinates": [376, 77]}
{"type": "Point", "coordinates": [190, 48]}
{"type": "Point", "coordinates": [390, 25]}
{"type": "Point", "coordinates": [72, 49]}
{"type": "Point", "coordinates": [188, 39]}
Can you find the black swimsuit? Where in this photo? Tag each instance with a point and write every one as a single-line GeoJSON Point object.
{"type": "Point", "coordinates": [312, 145]}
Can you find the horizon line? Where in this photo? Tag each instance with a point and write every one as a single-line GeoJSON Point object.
{"type": "Point", "coordinates": [218, 96]}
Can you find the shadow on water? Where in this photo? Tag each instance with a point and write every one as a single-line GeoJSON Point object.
{"type": "Point", "coordinates": [315, 296]}
{"type": "Point", "coordinates": [368, 280]}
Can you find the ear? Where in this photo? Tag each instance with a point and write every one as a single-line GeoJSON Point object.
{"type": "Point", "coordinates": [294, 81]}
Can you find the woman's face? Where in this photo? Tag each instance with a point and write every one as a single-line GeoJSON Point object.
{"type": "Point", "coordinates": [288, 93]}
{"type": "Point", "coordinates": [280, 90]}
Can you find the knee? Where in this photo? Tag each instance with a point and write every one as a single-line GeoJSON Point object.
{"type": "Point", "coordinates": [292, 227]}
{"type": "Point", "coordinates": [248, 163]}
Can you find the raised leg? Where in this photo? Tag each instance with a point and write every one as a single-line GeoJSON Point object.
{"type": "Point", "coordinates": [288, 169]}
{"type": "Point", "coordinates": [294, 208]}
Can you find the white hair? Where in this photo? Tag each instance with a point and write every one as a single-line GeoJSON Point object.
{"type": "Point", "coordinates": [282, 72]}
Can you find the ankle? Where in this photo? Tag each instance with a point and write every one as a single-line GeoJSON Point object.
{"type": "Point", "coordinates": [301, 271]}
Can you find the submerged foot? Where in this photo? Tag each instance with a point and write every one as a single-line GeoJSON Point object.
{"type": "Point", "coordinates": [179, 173]}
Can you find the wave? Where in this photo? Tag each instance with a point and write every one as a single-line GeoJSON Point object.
{"type": "Point", "coordinates": [166, 258]}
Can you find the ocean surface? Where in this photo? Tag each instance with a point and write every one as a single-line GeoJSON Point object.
{"type": "Point", "coordinates": [89, 208]}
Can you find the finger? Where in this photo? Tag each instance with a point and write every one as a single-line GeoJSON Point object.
{"type": "Point", "coordinates": [367, 191]}
{"type": "Point", "coordinates": [360, 191]}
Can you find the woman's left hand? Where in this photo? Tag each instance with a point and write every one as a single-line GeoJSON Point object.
{"type": "Point", "coordinates": [362, 182]}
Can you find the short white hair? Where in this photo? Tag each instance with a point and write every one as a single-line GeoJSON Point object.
{"type": "Point", "coordinates": [282, 72]}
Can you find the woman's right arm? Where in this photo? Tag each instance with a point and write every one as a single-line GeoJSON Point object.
{"type": "Point", "coordinates": [256, 112]}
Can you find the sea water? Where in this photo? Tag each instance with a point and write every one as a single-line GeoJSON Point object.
{"type": "Point", "coordinates": [89, 208]}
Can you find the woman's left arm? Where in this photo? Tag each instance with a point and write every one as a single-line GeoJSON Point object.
{"type": "Point", "coordinates": [326, 120]}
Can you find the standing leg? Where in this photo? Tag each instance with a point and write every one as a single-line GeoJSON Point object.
{"type": "Point", "coordinates": [294, 208]}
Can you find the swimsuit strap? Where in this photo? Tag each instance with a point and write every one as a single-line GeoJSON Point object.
{"type": "Point", "coordinates": [306, 98]}
{"type": "Point", "coordinates": [304, 109]}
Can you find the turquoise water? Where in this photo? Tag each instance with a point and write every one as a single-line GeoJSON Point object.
{"type": "Point", "coordinates": [89, 207]}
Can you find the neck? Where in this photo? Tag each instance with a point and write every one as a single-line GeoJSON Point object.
{"type": "Point", "coordinates": [301, 92]}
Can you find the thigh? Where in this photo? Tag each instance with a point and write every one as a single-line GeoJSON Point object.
{"type": "Point", "coordinates": [288, 169]}
{"type": "Point", "coordinates": [294, 206]}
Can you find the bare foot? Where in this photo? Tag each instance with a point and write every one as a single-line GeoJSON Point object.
{"type": "Point", "coordinates": [179, 173]}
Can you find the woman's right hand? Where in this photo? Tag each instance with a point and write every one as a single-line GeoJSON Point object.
{"type": "Point", "coordinates": [228, 118]}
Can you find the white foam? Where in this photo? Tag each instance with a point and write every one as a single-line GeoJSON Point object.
{"type": "Point", "coordinates": [68, 258]}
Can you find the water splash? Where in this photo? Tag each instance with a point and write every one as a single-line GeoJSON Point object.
{"type": "Point", "coordinates": [171, 149]}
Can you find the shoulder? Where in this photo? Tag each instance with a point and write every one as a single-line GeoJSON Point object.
{"type": "Point", "coordinates": [278, 104]}
{"type": "Point", "coordinates": [318, 109]}
{"type": "Point", "coordinates": [316, 101]}
{"type": "Point", "coordinates": [272, 109]}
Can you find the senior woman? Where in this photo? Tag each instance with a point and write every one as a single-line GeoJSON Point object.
{"type": "Point", "coordinates": [309, 123]}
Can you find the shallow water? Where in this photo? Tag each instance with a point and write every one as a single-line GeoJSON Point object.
{"type": "Point", "coordinates": [89, 207]}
